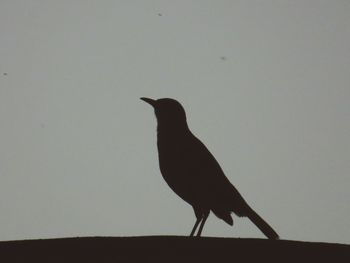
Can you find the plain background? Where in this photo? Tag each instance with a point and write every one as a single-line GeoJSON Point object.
{"type": "Point", "coordinates": [265, 85]}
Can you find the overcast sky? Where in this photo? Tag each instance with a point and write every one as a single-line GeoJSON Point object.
{"type": "Point", "coordinates": [265, 85]}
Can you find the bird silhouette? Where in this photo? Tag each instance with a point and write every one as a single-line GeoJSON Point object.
{"type": "Point", "coordinates": [193, 173]}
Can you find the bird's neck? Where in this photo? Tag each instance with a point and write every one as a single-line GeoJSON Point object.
{"type": "Point", "coordinates": [172, 131]}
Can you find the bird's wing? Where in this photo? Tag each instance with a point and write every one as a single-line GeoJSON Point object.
{"type": "Point", "coordinates": [203, 162]}
{"type": "Point", "coordinates": [212, 184]}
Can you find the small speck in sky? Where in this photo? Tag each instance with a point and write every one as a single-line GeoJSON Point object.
{"type": "Point", "coordinates": [5, 74]}
{"type": "Point", "coordinates": [223, 58]}
{"type": "Point", "coordinates": [159, 14]}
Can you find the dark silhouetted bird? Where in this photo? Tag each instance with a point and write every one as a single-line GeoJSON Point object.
{"type": "Point", "coordinates": [193, 173]}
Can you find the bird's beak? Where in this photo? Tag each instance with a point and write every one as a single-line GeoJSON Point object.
{"type": "Point", "coordinates": [149, 101]}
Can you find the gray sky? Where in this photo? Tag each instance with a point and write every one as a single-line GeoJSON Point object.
{"type": "Point", "coordinates": [265, 85]}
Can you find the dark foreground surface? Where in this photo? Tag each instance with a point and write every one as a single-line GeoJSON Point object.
{"type": "Point", "coordinates": [170, 249]}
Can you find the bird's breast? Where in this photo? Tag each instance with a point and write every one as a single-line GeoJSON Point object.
{"type": "Point", "coordinates": [171, 155]}
{"type": "Point", "coordinates": [174, 165]}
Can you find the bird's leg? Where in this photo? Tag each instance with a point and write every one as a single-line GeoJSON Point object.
{"type": "Point", "coordinates": [195, 226]}
{"type": "Point", "coordinates": [199, 215]}
{"type": "Point", "coordinates": [205, 216]}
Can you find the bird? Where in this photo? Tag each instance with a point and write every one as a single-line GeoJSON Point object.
{"type": "Point", "coordinates": [194, 174]}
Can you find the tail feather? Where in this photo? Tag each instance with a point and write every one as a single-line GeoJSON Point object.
{"type": "Point", "coordinates": [262, 225]}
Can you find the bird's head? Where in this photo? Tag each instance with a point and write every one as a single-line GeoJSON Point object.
{"type": "Point", "coordinates": [169, 112]}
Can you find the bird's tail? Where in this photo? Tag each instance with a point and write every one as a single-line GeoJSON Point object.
{"type": "Point", "coordinates": [262, 225]}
